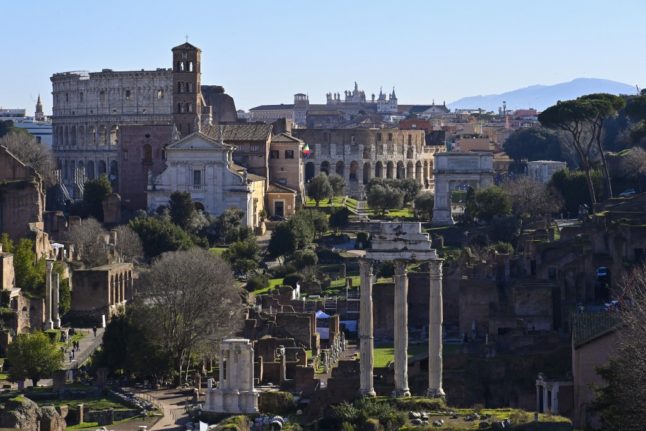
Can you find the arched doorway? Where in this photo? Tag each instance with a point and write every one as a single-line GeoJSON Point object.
{"type": "Point", "coordinates": [309, 171]}
{"type": "Point", "coordinates": [325, 167]}
{"type": "Point", "coordinates": [354, 168]}
{"type": "Point", "coordinates": [101, 168]}
{"type": "Point", "coordinates": [389, 170]}
{"type": "Point", "coordinates": [401, 172]}
{"type": "Point", "coordinates": [379, 170]}
{"type": "Point", "coordinates": [340, 168]}
{"type": "Point", "coordinates": [366, 173]}
{"type": "Point", "coordinates": [410, 170]}
{"type": "Point", "coordinates": [418, 171]}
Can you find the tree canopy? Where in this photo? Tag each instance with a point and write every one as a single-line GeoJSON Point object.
{"type": "Point", "coordinates": [33, 356]}
{"type": "Point", "coordinates": [181, 208]}
{"type": "Point", "coordinates": [319, 188]}
{"type": "Point", "coordinates": [534, 143]}
{"type": "Point", "coordinates": [159, 235]}
{"type": "Point", "coordinates": [94, 193]}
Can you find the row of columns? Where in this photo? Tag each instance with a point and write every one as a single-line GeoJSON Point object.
{"type": "Point", "coordinates": [52, 296]}
{"type": "Point", "coordinates": [366, 337]}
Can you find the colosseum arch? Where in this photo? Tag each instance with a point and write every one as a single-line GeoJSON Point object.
{"type": "Point", "coordinates": [410, 170]}
{"type": "Point", "coordinates": [409, 152]}
{"type": "Point", "coordinates": [340, 168]}
{"type": "Point", "coordinates": [89, 170]}
{"type": "Point", "coordinates": [101, 168]}
{"type": "Point", "coordinates": [354, 169]}
{"type": "Point", "coordinates": [401, 171]}
{"type": "Point", "coordinates": [366, 172]}
{"type": "Point", "coordinates": [102, 135]}
{"type": "Point", "coordinates": [418, 171]}
{"type": "Point", "coordinates": [390, 166]}
{"type": "Point", "coordinates": [325, 167]}
{"type": "Point", "coordinates": [379, 169]}
{"type": "Point", "coordinates": [113, 134]}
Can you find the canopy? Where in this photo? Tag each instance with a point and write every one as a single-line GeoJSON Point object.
{"type": "Point", "coordinates": [322, 315]}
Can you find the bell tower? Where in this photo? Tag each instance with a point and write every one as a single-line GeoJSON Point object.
{"type": "Point", "coordinates": [187, 94]}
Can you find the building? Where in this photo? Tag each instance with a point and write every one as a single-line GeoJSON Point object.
{"type": "Point", "coordinates": [38, 125]}
{"type": "Point", "coordinates": [361, 154]}
{"type": "Point", "coordinates": [204, 167]}
{"type": "Point", "coordinates": [22, 201]}
{"type": "Point", "coordinates": [542, 170]}
{"type": "Point", "coordinates": [286, 163]}
{"type": "Point", "coordinates": [90, 108]}
{"type": "Point", "coordinates": [101, 291]}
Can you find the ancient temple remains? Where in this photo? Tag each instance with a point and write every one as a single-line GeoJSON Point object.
{"type": "Point", "coordinates": [235, 392]}
{"type": "Point", "coordinates": [401, 243]}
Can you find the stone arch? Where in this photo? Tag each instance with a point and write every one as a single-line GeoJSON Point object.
{"type": "Point", "coordinates": [89, 170]}
{"type": "Point", "coordinates": [366, 172]}
{"type": "Point", "coordinates": [91, 135]}
{"type": "Point", "coordinates": [102, 135]}
{"type": "Point", "coordinates": [309, 171]}
{"type": "Point", "coordinates": [410, 170]}
{"type": "Point", "coordinates": [418, 171]}
{"type": "Point", "coordinates": [101, 168]}
{"type": "Point", "coordinates": [401, 171]}
{"type": "Point", "coordinates": [354, 169]}
{"type": "Point", "coordinates": [81, 135]}
{"type": "Point", "coordinates": [390, 167]}
{"type": "Point", "coordinates": [340, 168]}
{"type": "Point", "coordinates": [113, 134]}
{"type": "Point", "coordinates": [325, 167]}
{"type": "Point", "coordinates": [379, 169]}
{"type": "Point", "coordinates": [114, 171]}
{"type": "Point", "coordinates": [66, 134]}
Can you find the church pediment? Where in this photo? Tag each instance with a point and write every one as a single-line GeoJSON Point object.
{"type": "Point", "coordinates": [198, 141]}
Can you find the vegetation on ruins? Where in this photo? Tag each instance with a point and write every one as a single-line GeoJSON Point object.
{"type": "Point", "coordinates": [94, 193]}
{"type": "Point", "coordinates": [33, 356]}
{"type": "Point", "coordinates": [28, 150]}
{"type": "Point", "coordinates": [29, 270]}
{"type": "Point", "coordinates": [569, 185]}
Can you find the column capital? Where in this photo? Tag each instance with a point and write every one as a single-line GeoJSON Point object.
{"type": "Point", "coordinates": [435, 268]}
{"type": "Point", "coordinates": [366, 265]}
{"type": "Point", "coordinates": [400, 267]}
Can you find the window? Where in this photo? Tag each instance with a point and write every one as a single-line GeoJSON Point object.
{"type": "Point", "coordinates": [390, 136]}
{"type": "Point", "coordinates": [378, 137]}
{"type": "Point", "coordinates": [197, 178]}
{"type": "Point", "coordinates": [190, 66]}
{"type": "Point", "coordinates": [102, 95]}
{"type": "Point", "coordinates": [67, 97]}
{"type": "Point", "coordinates": [179, 87]}
{"type": "Point", "coordinates": [289, 154]}
{"type": "Point", "coordinates": [128, 94]}
{"type": "Point", "coordinates": [410, 139]}
{"type": "Point", "coordinates": [274, 154]}
{"type": "Point", "coordinates": [160, 94]}
{"type": "Point", "coordinates": [81, 96]}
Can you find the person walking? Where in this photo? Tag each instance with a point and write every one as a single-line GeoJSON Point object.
{"type": "Point", "coordinates": [94, 330]}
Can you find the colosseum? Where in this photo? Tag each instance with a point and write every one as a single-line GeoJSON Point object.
{"type": "Point", "coordinates": [88, 110]}
{"type": "Point", "coordinates": [361, 154]}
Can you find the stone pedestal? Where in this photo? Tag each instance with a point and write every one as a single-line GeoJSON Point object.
{"type": "Point", "coordinates": [366, 339]}
{"type": "Point", "coordinates": [435, 330]}
{"type": "Point", "coordinates": [401, 330]}
{"type": "Point", "coordinates": [235, 392]}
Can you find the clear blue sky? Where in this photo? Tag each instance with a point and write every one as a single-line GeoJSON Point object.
{"type": "Point", "coordinates": [265, 51]}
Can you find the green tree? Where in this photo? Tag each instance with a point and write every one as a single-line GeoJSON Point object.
{"type": "Point", "coordinates": [94, 193]}
{"type": "Point", "coordinates": [7, 243]}
{"type": "Point", "coordinates": [470, 206]}
{"type": "Point", "coordinates": [29, 271]}
{"type": "Point", "coordinates": [305, 259]}
{"type": "Point", "coordinates": [302, 224]}
{"type": "Point", "coordinates": [5, 127]}
{"type": "Point", "coordinates": [410, 187]}
{"type": "Point", "coordinates": [569, 184]}
{"type": "Point", "coordinates": [636, 110]}
{"type": "Point", "coordinates": [338, 184]}
{"type": "Point", "coordinates": [492, 201]}
{"type": "Point", "coordinates": [159, 235]}
{"type": "Point", "coordinates": [319, 188]}
{"type": "Point", "coordinates": [283, 241]}
{"type": "Point", "coordinates": [534, 143]}
{"type": "Point", "coordinates": [226, 228]}
{"type": "Point", "coordinates": [181, 208]}
{"type": "Point", "coordinates": [243, 256]}
{"type": "Point", "coordinates": [582, 119]}
{"type": "Point", "coordinates": [382, 198]}
{"type": "Point", "coordinates": [33, 356]}
{"type": "Point", "coordinates": [424, 204]}
{"type": "Point", "coordinates": [339, 219]}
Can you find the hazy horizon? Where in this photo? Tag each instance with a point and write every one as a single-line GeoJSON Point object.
{"type": "Point", "coordinates": [264, 52]}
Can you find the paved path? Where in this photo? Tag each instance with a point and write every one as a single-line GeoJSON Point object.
{"type": "Point", "coordinates": [172, 404]}
{"type": "Point", "coordinates": [87, 345]}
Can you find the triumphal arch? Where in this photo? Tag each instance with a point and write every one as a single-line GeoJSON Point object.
{"type": "Point", "coordinates": [455, 170]}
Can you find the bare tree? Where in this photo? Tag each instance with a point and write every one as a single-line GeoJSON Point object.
{"type": "Point", "coordinates": [191, 299]}
{"type": "Point", "coordinates": [31, 152]}
{"type": "Point", "coordinates": [89, 239]}
{"type": "Point", "coordinates": [531, 199]}
{"type": "Point", "coordinates": [129, 244]}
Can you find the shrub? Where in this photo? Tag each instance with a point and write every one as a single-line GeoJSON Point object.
{"type": "Point", "coordinates": [292, 279]}
{"type": "Point", "coordinates": [305, 258]}
{"type": "Point", "coordinates": [279, 403]}
{"type": "Point", "coordinates": [257, 282]}
{"type": "Point", "coordinates": [282, 270]}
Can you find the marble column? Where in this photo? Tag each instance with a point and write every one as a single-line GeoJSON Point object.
{"type": "Point", "coordinates": [366, 339]}
{"type": "Point", "coordinates": [49, 265]}
{"type": "Point", "coordinates": [56, 301]}
{"type": "Point", "coordinates": [555, 398]}
{"type": "Point", "coordinates": [435, 330]}
{"type": "Point", "coordinates": [401, 330]}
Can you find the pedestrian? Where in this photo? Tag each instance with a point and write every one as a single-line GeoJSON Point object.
{"type": "Point", "coordinates": [71, 355]}
{"type": "Point", "coordinates": [94, 329]}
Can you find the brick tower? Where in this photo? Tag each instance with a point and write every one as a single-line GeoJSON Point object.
{"type": "Point", "coordinates": [187, 96]}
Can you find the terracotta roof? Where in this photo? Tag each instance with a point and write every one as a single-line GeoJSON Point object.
{"type": "Point", "coordinates": [277, 188]}
{"type": "Point", "coordinates": [272, 107]}
{"type": "Point", "coordinates": [285, 138]}
{"type": "Point", "coordinates": [239, 132]}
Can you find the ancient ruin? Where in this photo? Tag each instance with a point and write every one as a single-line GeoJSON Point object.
{"type": "Point", "coordinates": [401, 243]}
{"type": "Point", "coordinates": [235, 392]}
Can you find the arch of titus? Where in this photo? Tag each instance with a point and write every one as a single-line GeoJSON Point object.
{"type": "Point", "coordinates": [451, 169]}
{"type": "Point", "coordinates": [401, 243]}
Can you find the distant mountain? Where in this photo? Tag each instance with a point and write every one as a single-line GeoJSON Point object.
{"type": "Point", "coordinates": [542, 96]}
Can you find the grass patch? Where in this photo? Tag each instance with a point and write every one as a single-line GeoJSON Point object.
{"type": "Point", "coordinates": [217, 250]}
{"type": "Point", "coordinates": [385, 355]}
{"type": "Point", "coordinates": [337, 202]}
{"type": "Point", "coordinates": [273, 283]}
{"type": "Point", "coordinates": [92, 403]}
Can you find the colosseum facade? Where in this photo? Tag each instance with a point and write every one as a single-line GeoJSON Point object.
{"type": "Point", "coordinates": [359, 155]}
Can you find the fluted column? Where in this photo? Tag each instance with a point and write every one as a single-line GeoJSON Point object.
{"type": "Point", "coordinates": [401, 330]}
{"type": "Point", "coordinates": [56, 302]}
{"type": "Point", "coordinates": [366, 339]}
{"type": "Point", "coordinates": [49, 265]}
{"type": "Point", "coordinates": [435, 330]}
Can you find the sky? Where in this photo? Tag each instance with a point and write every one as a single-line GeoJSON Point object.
{"type": "Point", "coordinates": [264, 51]}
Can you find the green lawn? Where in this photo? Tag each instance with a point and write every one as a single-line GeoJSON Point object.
{"type": "Point", "coordinates": [217, 250]}
{"type": "Point", "coordinates": [92, 403]}
{"type": "Point", "coordinates": [337, 202]}
{"type": "Point", "coordinates": [384, 355]}
{"type": "Point", "coordinates": [273, 283]}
